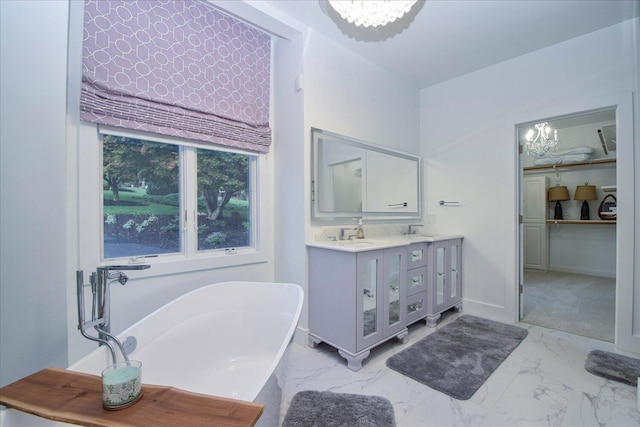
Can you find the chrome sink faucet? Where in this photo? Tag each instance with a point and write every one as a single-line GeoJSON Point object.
{"type": "Point", "coordinates": [345, 236]}
{"type": "Point", "coordinates": [359, 231]}
{"type": "Point", "coordinates": [412, 229]}
{"type": "Point", "coordinates": [101, 303]}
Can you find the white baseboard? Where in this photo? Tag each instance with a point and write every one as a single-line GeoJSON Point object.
{"type": "Point", "coordinates": [488, 311]}
{"type": "Point", "coordinates": [301, 336]}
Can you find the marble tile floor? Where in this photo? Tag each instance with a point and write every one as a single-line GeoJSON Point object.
{"type": "Point", "coordinates": [542, 383]}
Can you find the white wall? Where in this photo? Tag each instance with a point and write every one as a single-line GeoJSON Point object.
{"type": "Point", "coordinates": [634, 46]}
{"type": "Point", "coordinates": [351, 96]}
{"type": "Point", "coordinates": [32, 261]}
{"type": "Point", "coordinates": [583, 249]}
{"type": "Point", "coordinates": [468, 138]}
{"type": "Point", "coordinates": [289, 150]}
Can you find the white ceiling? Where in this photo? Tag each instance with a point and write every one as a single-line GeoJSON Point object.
{"type": "Point", "coordinates": [439, 40]}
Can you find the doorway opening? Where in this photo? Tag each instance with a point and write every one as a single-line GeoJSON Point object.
{"type": "Point", "coordinates": [568, 255]}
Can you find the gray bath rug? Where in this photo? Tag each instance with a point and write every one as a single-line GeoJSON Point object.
{"type": "Point", "coordinates": [613, 367]}
{"type": "Point", "coordinates": [458, 358]}
{"type": "Point", "coordinates": [327, 409]}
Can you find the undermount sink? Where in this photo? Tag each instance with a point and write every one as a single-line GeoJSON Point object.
{"type": "Point", "coordinates": [355, 242]}
{"type": "Point", "coordinates": [416, 236]}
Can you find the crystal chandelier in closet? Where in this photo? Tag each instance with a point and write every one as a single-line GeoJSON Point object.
{"type": "Point", "coordinates": [539, 142]}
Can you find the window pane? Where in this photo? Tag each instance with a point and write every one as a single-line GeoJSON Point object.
{"type": "Point", "coordinates": [224, 211]}
{"type": "Point", "coordinates": [141, 196]}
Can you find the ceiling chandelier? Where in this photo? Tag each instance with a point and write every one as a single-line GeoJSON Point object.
{"type": "Point", "coordinates": [371, 13]}
{"type": "Point", "coordinates": [541, 143]}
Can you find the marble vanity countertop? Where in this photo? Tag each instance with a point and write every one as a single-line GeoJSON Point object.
{"type": "Point", "coordinates": [361, 245]}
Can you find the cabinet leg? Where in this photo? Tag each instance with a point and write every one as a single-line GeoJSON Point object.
{"type": "Point", "coordinates": [403, 337]}
{"type": "Point", "coordinates": [313, 341]}
{"type": "Point", "coordinates": [432, 320]}
{"type": "Point", "coordinates": [458, 307]}
{"type": "Point", "coordinates": [354, 362]}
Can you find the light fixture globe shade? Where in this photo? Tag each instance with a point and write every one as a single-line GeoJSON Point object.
{"type": "Point", "coordinates": [371, 13]}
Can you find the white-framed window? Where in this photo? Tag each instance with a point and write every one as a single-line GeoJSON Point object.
{"type": "Point", "coordinates": [148, 198]}
{"type": "Point", "coordinates": [176, 204]}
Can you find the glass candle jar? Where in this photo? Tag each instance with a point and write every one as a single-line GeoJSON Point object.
{"type": "Point", "coordinates": [121, 384]}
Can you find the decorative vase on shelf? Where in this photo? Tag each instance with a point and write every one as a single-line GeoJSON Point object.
{"type": "Point", "coordinates": [608, 209]}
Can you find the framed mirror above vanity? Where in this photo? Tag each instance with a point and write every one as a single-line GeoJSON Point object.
{"type": "Point", "coordinates": [352, 178]}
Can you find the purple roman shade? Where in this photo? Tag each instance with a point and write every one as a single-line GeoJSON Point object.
{"type": "Point", "coordinates": [178, 68]}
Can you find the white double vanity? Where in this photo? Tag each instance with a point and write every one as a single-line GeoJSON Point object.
{"type": "Point", "coordinates": [363, 292]}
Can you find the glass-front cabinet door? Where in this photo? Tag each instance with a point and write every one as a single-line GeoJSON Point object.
{"type": "Point", "coordinates": [447, 284]}
{"type": "Point", "coordinates": [369, 298]}
{"type": "Point", "coordinates": [454, 264]}
{"type": "Point", "coordinates": [381, 295]}
{"type": "Point", "coordinates": [441, 278]}
{"type": "Point", "coordinates": [395, 270]}
{"type": "Point", "coordinates": [393, 290]}
{"type": "Point", "coordinates": [453, 272]}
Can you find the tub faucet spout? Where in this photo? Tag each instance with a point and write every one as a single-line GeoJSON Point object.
{"type": "Point", "coordinates": [101, 307]}
{"type": "Point", "coordinates": [106, 276]}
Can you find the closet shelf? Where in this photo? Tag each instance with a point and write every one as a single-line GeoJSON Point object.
{"type": "Point", "coordinates": [570, 165]}
{"type": "Point", "coordinates": [581, 222]}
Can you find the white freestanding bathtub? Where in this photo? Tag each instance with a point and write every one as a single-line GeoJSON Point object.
{"type": "Point", "coordinates": [227, 339]}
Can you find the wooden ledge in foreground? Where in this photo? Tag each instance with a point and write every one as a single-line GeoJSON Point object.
{"type": "Point", "coordinates": [74, 397]}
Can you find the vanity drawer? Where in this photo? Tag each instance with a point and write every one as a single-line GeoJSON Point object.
{"type": "Point", "coordinates": [417, 255]}
{"type": "Point", "coordinates": [416, 307]}
{"type": "Point", "coordinates": [416, 280]}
